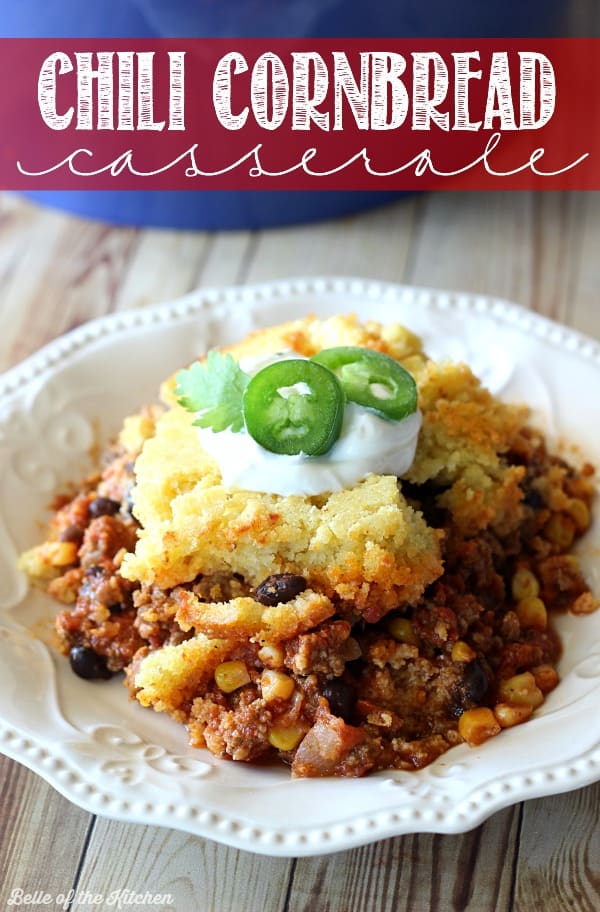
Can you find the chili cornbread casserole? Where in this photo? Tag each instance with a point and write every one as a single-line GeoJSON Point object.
{"type": "Point", "coordinates": [368, 627]}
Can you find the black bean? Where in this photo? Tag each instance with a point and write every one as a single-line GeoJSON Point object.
{"type": "Point", "coordinates": [103, 506]}
{"type": "Point", "coordinates": [279, 588]}
{"type": "Point", "coordinates": [71, 533]}
{"type": "Point", "coordinates": [88, 664]}
{"type": "Point", "coordinates": [533, 499]}
{"type": "Point", "coordinates": [340, 697]}
{"type": "Point", "coordinates": [475, 683]}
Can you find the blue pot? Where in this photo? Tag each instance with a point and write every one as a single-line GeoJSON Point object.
{"type": "Point", "coordinates": [215, 210]}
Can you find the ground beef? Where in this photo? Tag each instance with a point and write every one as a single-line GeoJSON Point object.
{"type": "Point", "coordinates": [319, 652]}
{"type": "Point", "coordinates": [420, 693]}
{"type": "Point", "coordinates": [561, 581]}
{"type": "Point", "coordinates": [238, 734]}
{"type": "Point", "coordinates": [155, 620]}
{"type": "Point", "coordinates": [413, 755]}
{"type": "Point", "coordinates": [358, 696]}
{"type": "Point", "coordinates": [103, 616]}
{"type": "Point", "coordinates": [539, 647]}
{"type": "Point", "coordinates": [104, 537]}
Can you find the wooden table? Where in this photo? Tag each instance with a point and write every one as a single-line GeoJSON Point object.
{"type": "Point", "coordinates": [542, 251]}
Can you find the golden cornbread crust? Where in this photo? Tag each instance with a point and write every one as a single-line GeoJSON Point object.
{"type": "Point", "coordinates": [364, 545]}
{"type": "Point", "coordinates": [364, 629]}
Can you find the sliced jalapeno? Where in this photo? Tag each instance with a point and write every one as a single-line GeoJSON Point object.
{"type": "Point", "coordinates": [372, 379]}
{"type": "Point", "coordinates": [294, 406]}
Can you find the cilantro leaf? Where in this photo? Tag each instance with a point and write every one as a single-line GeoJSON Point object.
{"type": "Point", "coordinates": [214, 389]}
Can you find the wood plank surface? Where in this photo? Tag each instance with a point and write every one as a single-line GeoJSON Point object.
{"type": "Point", "coordinates": [196, 873]}
{"type": "Point", "coordinates": [420, 873]}
{"type": "Point", "coordinates": [558, 863]}
{"type": "Point", "coordinates": [55, 272]}
{"type": "Point", "coordinates": [42, 836]}
{"type": "Point", "coordinates": [375, 244]}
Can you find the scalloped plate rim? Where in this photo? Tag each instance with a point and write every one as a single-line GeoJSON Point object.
{"type": "Point", "coordinates": [223, 826]}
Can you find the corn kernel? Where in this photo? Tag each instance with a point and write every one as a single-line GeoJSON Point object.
{"type": "Point", "coordinates": [521, 690]}
{"type": "Point", "coordinates": [276, 685]}
{"type": "Point", "coordinates": [462, 652]}
{"type": "Point", "coordinates": [441, 630]}
{"type": "Point", "coordinates": [60, 589]}
{"type": "Point", "coordinates": [231, 675]}
{"type": "Point", "coordinates": [402, 630]}
{"type": "Point", "coordinates": [508, 714]}
{"type": "Point", "coordinates": [560, 530]}
{"type": "Point", "coordinates": [286, 738]}
{"type": "Point", "coordinates": [477, 725]}
{"type": "Point", "coordinates": [36, 564]}
{"type": "Point", "coordinates": [383, 718]}
{"type": "Point", "coordinates": [118, 558]}
{"type": "Point", "coordinates": [61, 554]}
{"type": "Point", "coordinates": [271, 655]}
{"type": "Point", "coordinates": [532, 612]}
{"type": "Point", "coordinates": [546, 677]}
{"type": "Point", "coordinates": [524, 584]}
{"type": "Point", "coordinates": [582, 487]}
{"type": "Point", "coordinates": [584, 604]}
{"type": "Point", "coordinates": [579, 512]}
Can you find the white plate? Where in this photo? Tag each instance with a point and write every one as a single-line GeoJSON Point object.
{"type": "Point", "coordinates": [112, 757]}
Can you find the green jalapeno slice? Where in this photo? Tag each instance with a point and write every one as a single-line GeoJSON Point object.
{"type": "Point", "coordinates": [372, 379]}
{"type": "Point", "coordinates": [294, 407]}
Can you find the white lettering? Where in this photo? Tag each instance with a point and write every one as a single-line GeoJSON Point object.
{"type": "Point", "coordinates": [146, 93]}
{"type": "Point", "coordinates": [57, 63]}
{"type": "Point", "coordinates": [231, 64]}
{"type": "Point", "coordinates": [269, 88]}
{"type": "Point", "coordinates": [462, 75]}
{"type": "Point", "coordinates": [547, 95]}
{"type": "Point", "coordinates": [125, 115]}
{"type": "Point", "coordinates": [305, 102]}
{"type": "Point", "coordinates": [422, 162]}
{"type": "Point", "coordinates": [345, 86]}
{"type": "Point", "coordinates": [424, 103]}
{"type": "Point", "coordinates": [176, 90]}
{"type": "Point", "coordinates": [499, 91]}
{"type": "Point", "coordinates": [388, 112]}
{"type": "Point", "coordinates": [85, 77]}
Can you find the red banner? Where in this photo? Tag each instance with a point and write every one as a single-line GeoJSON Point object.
{"type": "Point", "coordinates": [307, 114]}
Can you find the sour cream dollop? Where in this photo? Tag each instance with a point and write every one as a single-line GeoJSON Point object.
{"type": "Point", "coordinates": [367, 445]}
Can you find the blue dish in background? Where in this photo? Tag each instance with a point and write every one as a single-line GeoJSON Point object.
{"type": "Point", "coordinates": [214, 210]}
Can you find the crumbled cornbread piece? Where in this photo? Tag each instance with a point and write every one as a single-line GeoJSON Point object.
{"type": "Point", "coordinates": [168, 678]}
{"type": "Point", "coordinates": [244, 618]}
